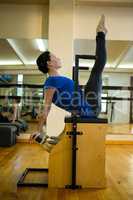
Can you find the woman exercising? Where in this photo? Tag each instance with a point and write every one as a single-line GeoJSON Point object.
{"type": "Point", "coordinates": [60, 90]}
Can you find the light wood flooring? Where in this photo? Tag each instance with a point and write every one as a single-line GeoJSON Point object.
{"type": "Point", "coordinates": [14, 160]}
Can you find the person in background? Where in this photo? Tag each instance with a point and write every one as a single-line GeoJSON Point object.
{"type": "Point", "coordinates": [15, 109]}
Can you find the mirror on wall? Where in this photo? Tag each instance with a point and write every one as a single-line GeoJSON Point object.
{"type": "Point", "coordinates": [118, 72]}
{"type": "Point", "coordinates": [18, 66]}
{"type": "Point", "coordinates": [119, 53]}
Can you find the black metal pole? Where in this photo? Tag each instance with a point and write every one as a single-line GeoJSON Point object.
{"type": "Point", "coordinates": [74, 124]}
{"type": "Point", "coordinates": [74, 149]}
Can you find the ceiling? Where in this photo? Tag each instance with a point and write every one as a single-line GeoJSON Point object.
{"type": "Point", "coordinates": [20, 52]}
{"type": "Point", "coordinates": [24, 1]}
{"type": "Point", "coordinates": [119, 53]}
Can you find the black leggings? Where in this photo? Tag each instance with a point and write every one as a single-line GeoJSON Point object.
{"type": "Point", "coordinates": [93, 87]}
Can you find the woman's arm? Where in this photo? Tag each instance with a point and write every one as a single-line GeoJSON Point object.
{"type": "Point", "coordinates": [48, 96]}
{"type": "Point", "coordinates": [40, 135]}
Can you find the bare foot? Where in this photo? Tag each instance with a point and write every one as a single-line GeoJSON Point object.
{"type": "Point", "coordinates": [101, 25]}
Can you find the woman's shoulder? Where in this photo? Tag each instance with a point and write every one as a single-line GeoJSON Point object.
{"type": "Point", "coordinates": [57, 81]}
{"type": "Point", "coordinates": [58, 78]}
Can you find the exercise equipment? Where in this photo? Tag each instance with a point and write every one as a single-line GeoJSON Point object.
{"type": "Point", "coordinates": [7, 136]}
{"type": "Point", "coordinates": [17, 128]}
{"type": "Point", "coordinates": [74, 131]}
{"type": "Point", "coordinates": [84, 162]}
{"type": "Point", "coordinates": [89, 169]}
{"type": "Point", "coordinates": [8, 133]}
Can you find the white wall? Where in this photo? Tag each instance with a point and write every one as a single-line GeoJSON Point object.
{"type": "Point", "coordinates": [61, 32]}
{"type": "Point", "coordinates": [119, 22]}
{"type": "Point", "coordinates": [23, 21]}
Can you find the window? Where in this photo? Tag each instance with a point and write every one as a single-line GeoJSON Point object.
{"type": "Point", "coordinates": [20, 81]}
{"type": "Point", "coordinates": [104, 104]}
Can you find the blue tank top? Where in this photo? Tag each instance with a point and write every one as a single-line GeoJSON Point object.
{"type": "Point", "coordinates": [64, 96]}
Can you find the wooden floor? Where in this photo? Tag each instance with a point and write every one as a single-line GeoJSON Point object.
{"type": "Point", "coordinates": [120, 129]}
{"type": "Point", "coordinates": [13, 161]}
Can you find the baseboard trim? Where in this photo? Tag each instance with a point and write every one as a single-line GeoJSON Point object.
{"type": "Point", "coordinates": [118, 142]}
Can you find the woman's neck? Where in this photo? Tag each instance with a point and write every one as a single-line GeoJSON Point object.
{"type": "Point", "coordinates": [53, 73]}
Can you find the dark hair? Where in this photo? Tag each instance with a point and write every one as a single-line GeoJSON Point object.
{"type": "Point", "coordinates": [42, 62]}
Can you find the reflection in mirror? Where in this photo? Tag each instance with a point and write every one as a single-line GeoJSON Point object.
{"type": "Point", "coordinates": [119, 53]}
{"type": "Point", "coordinates": [118, 70]}
{"type": "Point", "coordinates": [18, 66]}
